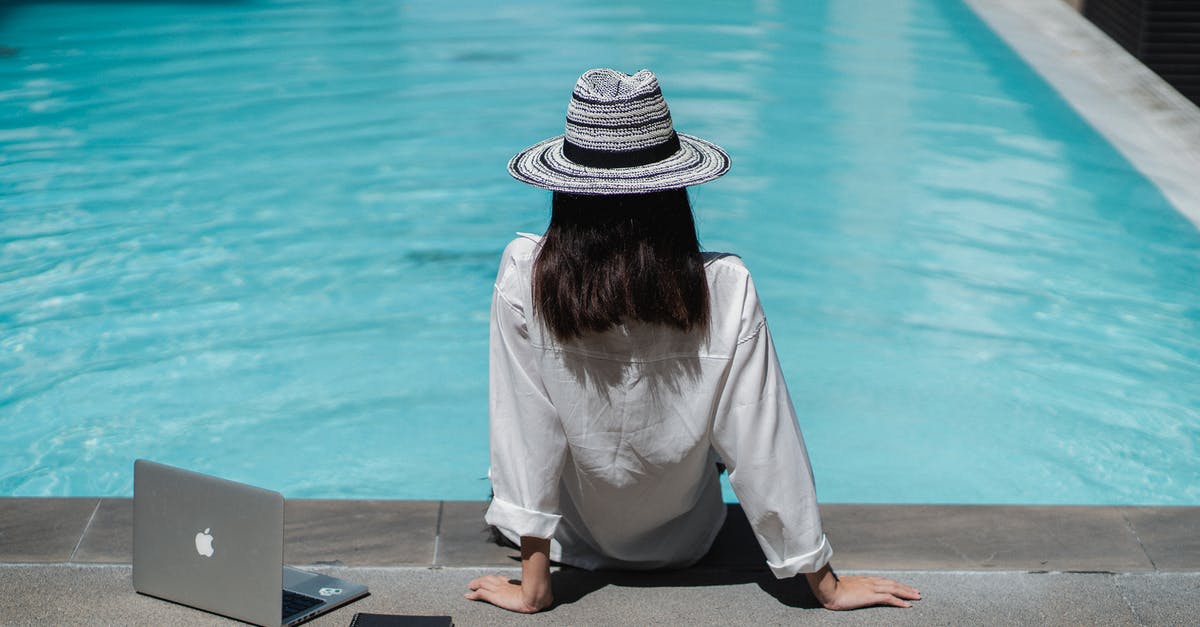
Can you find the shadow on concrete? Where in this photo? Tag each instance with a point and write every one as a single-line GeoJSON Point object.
{"type": "Point", "coordinates": [571, 585]}
{"type": "Point", "coordinates": [734, 559]}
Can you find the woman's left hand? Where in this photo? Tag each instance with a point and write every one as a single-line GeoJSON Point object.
{"type": "Point", "coordinates": [509, 594]}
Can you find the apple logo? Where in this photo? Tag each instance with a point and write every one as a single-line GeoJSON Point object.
{"type": "Point", "coordinates": [204, 543]}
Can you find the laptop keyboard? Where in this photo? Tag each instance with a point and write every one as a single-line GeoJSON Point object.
{"type": "Point", "coordinates": [295, 603]}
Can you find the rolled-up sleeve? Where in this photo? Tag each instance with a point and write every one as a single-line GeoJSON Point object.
{"type": "Point", "coordinates": [756, 434]}
{"type": "Point", "coordinates": [528, 447]}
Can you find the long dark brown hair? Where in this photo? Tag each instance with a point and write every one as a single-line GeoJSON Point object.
{"type": "Point", "coordinates": [610, 259]}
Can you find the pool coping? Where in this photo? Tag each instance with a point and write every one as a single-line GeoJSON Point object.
{"type": "Point", "coordinates": [1154, 126]}
{"type": "Point", "coordinates": [445, 534]}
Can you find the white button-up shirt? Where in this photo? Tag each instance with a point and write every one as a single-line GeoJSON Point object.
{"type": "Point", "coordinates": [607, 443]}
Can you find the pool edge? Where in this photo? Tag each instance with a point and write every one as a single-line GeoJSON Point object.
{"type": "Point", "coordinates": [434, 534]}
{"type": "Point", "coordinates": [1141, 115]}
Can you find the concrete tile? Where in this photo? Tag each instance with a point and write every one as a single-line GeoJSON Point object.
{"type": "Point", "coordinates": [390, 533]}
{"type": "Point", "coordinates": [1170, 535]}
{"type": "Point", "coordinates": [109, 538]}
{"type": "Point", "coordinates": [463, 539]}
{"type": "Point", "coordinates": [1008, 598]}
{"type": "Point", "coordinates": [1075, 599]}
{"type": "Point", "coordinates": [1162, 599]}
{"type": "Point", "coordinates": [360, 533]}
{"type": "Point", "coordinates": [85, 594]}
{"type": "Point", "coordinates": [741, 598]}
{"type": "Point", "coordinates": [42, 529]}
{"type": "Point", "coordinates": [970, 537]}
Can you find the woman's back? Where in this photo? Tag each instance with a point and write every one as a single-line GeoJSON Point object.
{"type": "Point", "coordinates": [638, 413]}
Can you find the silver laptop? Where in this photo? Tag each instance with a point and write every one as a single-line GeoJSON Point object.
{"type": "Point", "coordinates": [217, 545]}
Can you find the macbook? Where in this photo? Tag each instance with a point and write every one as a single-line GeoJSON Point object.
{"type": "Point", "coordinates": [217, 545]}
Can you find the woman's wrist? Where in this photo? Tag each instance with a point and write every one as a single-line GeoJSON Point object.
{"type": "Point", "coordinates": [824, 584]}
{"type": "Point", "coordinates": [536, 597]}
{"type": "Point", "coordinates": [535, 573]}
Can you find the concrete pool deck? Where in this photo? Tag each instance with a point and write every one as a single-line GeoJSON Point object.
{"type": "Point", "coordinates": [67, 561]}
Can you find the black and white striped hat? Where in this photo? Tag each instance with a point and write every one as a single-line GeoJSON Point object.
{"type": "Point", "coordinates": [619, 140]}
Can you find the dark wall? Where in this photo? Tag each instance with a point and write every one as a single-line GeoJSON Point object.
{"type": "Point", "coordinates": [1163, 34]}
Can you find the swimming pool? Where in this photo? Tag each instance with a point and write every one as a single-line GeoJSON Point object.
{"type": "Point", "coordinates": [258, 238]}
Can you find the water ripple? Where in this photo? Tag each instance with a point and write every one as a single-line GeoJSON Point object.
{"type": "Point", "coordinates": [226, 220]}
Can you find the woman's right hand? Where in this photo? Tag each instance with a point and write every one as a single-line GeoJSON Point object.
{"type": "Point", "coordinates": [532, 593]}
{"type": "Point", "coordinates": [850, 593]}
{"type": "Point", "coordinates": [509, 594]}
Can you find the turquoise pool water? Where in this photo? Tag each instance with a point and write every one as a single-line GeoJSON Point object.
{"type": "Point", "coordinates": [258, 238]}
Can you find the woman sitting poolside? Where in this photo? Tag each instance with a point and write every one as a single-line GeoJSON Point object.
{"type": "Point", "coordinates": [625, 364]}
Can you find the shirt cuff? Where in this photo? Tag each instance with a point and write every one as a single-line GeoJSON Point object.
{"type": "Point", "coordinates": [808, 563]}
{"type": "Point", "coordinates": [521, 521]}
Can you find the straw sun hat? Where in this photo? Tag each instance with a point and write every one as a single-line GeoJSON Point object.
{"type": "Point", "coordinates": [619, 140]}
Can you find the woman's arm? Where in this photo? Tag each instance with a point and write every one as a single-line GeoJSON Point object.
{"type": "Point", "coordinates": [527, 442]}
{"type": "Point", "coordinates": [849, 593]}
{"type": "Point", "coordinates": [530, 594]}
{"type": "Point", "coordinates": [757, 436]}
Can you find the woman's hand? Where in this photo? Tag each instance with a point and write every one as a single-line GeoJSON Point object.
{"type": "Point", "coordinates": [508, 594]}
{"type": "Point", "coordinates": [530, 594]}
{"type": "Point", "coordinates": [849, 593]}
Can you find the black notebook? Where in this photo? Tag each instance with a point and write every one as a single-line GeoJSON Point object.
{"type": "Point", "coordinates": [363, 619]}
